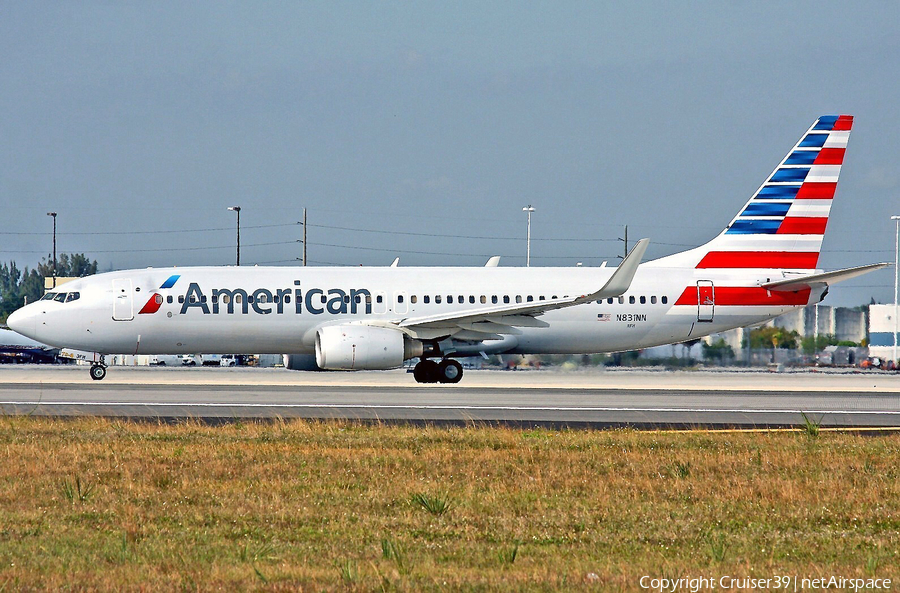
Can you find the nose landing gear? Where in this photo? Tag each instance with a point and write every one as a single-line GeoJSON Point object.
{"type": "Point", "coordinates": [446, 371]}
{"type": "Point", "coordinates": [98, 370]}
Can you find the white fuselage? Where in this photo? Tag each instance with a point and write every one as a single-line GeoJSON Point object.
{"type": "Point", "coordinates": [287, 307]}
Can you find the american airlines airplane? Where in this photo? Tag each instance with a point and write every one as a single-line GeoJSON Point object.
{"type": "Point", "coordinates": [762, 265]}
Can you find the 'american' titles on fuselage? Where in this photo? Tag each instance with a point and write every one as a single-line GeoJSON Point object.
{"type": "Point", "coordinates": [263, 301]}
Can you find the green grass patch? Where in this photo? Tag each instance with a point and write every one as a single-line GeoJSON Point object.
{"type": "Point", "coordinates": [90, 504]}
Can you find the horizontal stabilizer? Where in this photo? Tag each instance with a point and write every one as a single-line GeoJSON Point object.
{"type": "Point", "coordinates": [827, 278]}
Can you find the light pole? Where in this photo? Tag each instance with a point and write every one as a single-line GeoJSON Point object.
{"type": "Point", "coordinates": [529, 210]}
{"type": "Point", "coordinates": [896, 219]}
{"type": "Point", "coordinates": [238, 210]}
{"type": "Point", "coordinates": [53, 214]}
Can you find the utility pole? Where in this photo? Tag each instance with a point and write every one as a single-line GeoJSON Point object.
{"type": "Point", "coordinates": [53, 214]}
{"type": "Point", "coordinates": [896, 219]}
{"type": "Point", "coordinates": [238, 210]}
{"type": "Point", "coordinates": [529, 210]}
{"type": "Point", "coordinates": [304, 237]}
{"type": "Point", "coordinates": [816, 333]}
{"type": "Point", "coordinates": [626, 242]}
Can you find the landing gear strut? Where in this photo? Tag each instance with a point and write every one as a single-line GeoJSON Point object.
{"type": "Point", "coordinates": [98, 370]}
{"type": "Point", "coordinates": [446, 371]}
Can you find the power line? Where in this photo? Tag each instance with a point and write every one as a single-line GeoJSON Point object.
{"type": "Point", "coordinates": [455, 253]}
{"type": "Point", "coordinates": [446, 236]}
{"type": "Point", "coordinates": [167, 249]}
{"type": "Point", "coordinates": [261, 226]}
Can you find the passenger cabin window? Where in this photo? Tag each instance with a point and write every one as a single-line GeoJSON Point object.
{"type": "Point", "coordinates": [530, 298]}
{"type": "Point", "coordinates": [287, 299]}
{"type": "Point", "coordinates": [643, 300]}
{"type": "Point", "coordinates": [437, 299]}
{"type": "Point", "coordinates": [169, 299]}
{"type": "Point", "coordinates": [609, 301]}
{"type": "Point", "coordinates": [665, 300]}
{"type": "Point", "coordinates": [426, 299]}
{"type": "Point", "coordinates": [472, 299]}
{"type": "Point", "coordinates": [494, 299]}
{"type": "Point", "coordinates": [449, 299]}
{"type": "Point", "coordinates": [621, 300]}
{"type": "Point", "coordinates": [461, 299]}
{"type": "Point", "coordinates": [400, 298]}
{"type": "Point", "coordinates": [483, 299]}
{"type": "Point", "coordinates": [631, 300]}
{"type": "Point", "coordinates": [379, 299]}
{"type": "Point", "coordinates": [506, 299]}
{"type": "Point", "coordinates": [413, 299]}
{"type": "Point", "coordinates": [653, 300]}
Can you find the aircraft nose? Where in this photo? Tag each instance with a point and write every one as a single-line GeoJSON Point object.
{"type": "Point", "coordinates": [23, 321]}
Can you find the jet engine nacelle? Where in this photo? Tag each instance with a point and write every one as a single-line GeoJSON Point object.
{"type": "Point", "coordinates": [353, 347]}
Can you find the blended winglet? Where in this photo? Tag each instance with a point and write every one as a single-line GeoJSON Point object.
{"type": "Point", "coordinates": [620, 281]}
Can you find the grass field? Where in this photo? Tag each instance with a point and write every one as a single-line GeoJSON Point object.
{"type": "Point", "coordinates": [97, 504]}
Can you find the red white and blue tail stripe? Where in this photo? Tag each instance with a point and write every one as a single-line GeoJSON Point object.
{"type": "Point", "coordinates": [783, 223]}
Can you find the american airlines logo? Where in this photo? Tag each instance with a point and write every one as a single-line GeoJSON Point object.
{"type": "Point", "coordinates": [156, 299]}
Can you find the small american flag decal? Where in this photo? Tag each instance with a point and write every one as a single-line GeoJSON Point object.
{"type": "Point", "coordinates": [603, 317]}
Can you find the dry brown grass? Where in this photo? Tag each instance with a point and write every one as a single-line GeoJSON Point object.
{"type": "Point", "coordinates": [303, 505]}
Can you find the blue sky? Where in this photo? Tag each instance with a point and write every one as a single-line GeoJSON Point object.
{"type": "Point", "coordinates": [420, 130]}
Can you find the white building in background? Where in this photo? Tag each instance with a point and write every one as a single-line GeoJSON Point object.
{"type": "Point", "coordinates": [881, 331]}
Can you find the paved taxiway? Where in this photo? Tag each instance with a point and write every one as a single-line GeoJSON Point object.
{"type": "Point", "coordinates": [579, 398]}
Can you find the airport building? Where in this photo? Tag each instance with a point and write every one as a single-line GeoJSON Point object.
{"type": "Point", "coordinates": [882, 325]}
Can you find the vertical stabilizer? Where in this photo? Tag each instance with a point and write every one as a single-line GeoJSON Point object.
{"type": "Point", "coordinates": [783, 223]}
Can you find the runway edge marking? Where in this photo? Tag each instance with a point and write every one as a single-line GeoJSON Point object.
{"type": "Point", "coordinates": [436, 407]}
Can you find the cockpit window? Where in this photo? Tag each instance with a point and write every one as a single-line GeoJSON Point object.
{"type": "Point", "coordinates": [61, 297]}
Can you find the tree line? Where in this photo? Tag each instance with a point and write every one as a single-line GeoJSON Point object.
{"type": "Point", "coordinates": [27, 285]}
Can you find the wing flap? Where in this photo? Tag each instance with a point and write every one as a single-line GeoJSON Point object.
{"type": "Point", "coordinates": [490, 327]}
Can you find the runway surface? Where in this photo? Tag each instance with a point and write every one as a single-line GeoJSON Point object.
{"type": "Point", "coordinates": [641, 399]}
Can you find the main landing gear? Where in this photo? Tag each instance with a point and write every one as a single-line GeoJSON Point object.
{"type": "Point", "coordinates": [446, 371]}
{"type": "Point", "coordinates": [98, 370]}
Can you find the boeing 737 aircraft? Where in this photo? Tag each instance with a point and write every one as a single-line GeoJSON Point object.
{"type": "Point", "coordinates": [762, 265]}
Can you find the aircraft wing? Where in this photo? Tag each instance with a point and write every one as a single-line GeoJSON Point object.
{"type": "Point", "coordinates": [827, 278]}
{"type": "Point", "coordinates": [492, 321]}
